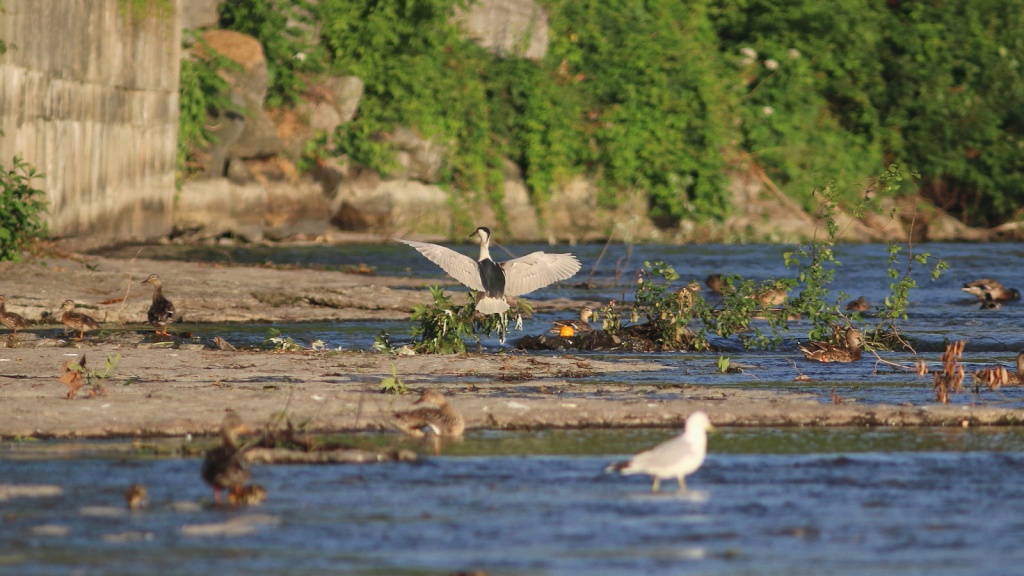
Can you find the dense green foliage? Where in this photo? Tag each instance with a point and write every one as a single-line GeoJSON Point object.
{"type": "Point", "coordinates": [666, 96]}
{"type": "Point", "coordinates": [289, 51]}
{"type": "Point", "coordinates": [21, 209]}
{"type": "Point", "coordinates": [201, 92]}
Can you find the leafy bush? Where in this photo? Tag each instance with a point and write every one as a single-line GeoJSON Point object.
{"type": "Point", "coordinates": [21, 209]}
{"type": "Point", "coordinates": [280, 26]}
{"type": "Point", "coordinates": [201, 92]}
{"type": "Point", "coordinates": [444, 327]}
{"type": "Point", "coordinates": [665, 97]}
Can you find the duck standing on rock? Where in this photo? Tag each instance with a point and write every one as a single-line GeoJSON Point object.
{"type": "Point", "coordinates": [498, 281]}
{"type": "Point", "coordinates": [224, 466]}
{"type": "Point", "coordinates": [76, 320]}
{"type": "Point", "coordinates": [13, 321]}
{"type": "Point", "coordinates": [161, 311]}
{"type": "Point", "coordinates": [828, 352]}
{"type": "Point", "coordinates": [569, 328]}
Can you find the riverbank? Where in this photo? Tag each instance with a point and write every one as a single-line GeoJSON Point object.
{"type": "Point", "coordinates": [179, 386]}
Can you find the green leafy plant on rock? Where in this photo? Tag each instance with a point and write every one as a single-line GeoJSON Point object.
{"type": "Point", "coordinates": [444, 327]}
{"type": "Point", "coordinates": [21, 209]}
{"type": "Point", "coordinates": [393, 384]}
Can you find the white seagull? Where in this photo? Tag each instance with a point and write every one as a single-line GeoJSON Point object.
{"type": "Point", "coordinates": [497, 280]}
{"type": "Point", "coordinates": [673, 458]}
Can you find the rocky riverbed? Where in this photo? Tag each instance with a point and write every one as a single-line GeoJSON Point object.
{"type": "Point", "coordinates": [178, 386]}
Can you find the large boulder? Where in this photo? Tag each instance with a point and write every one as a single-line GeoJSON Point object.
{"type": "Point", "coordinates": [325, 106]}
{"type": "Point", "coordinates": [248, 83]}
{"type": "Point", "coordinates": [507, 27]}
{"type": "Point", "coordinates": [367, 202]}
{"type": "Point", "coordinates": [217, 206]}
{"type": "Point", "coordinates": [419, 158]}
{"type": "Point", "coordinates": [573, 213]}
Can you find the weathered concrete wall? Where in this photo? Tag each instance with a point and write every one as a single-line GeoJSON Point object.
{"type": "Point", "coordinates": [89, 96]}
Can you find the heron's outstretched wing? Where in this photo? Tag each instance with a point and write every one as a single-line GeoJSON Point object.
{"type": "Point", "coordinates": [458, 266]}
{"type": "Point", "coordinates": [528, 273]}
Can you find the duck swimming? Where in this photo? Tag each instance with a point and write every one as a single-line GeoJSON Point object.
{"type": "Point", "coordinates": [990, 289]}
{"type": "Point", "coordinates": [224, 467]}
{"type": "Point", "coordinates": [435, 415]}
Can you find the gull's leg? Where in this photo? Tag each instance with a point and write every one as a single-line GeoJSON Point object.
{"type": "Point", "coordinates": [657, 483]}
{"type": "Point", "coordinates": [682, 483]}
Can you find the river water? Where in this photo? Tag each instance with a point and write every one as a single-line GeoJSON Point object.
{"type": "Point", "coordinates": [767, 501]}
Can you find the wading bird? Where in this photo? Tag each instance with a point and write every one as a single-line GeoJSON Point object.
{"type": "Point", "coordinates": [161, 311]}
{"type": "Point", "coordinates": [499, 280]}
{"type": "Point", "coordinates": [675, 458]}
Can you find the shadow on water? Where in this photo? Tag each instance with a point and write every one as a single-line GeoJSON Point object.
{"type": "Point", "coordinates": [786, 501]}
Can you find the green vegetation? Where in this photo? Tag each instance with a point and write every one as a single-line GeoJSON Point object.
{"type": "Point", "coordinates": [201, 92]}
{"type": "Point", "coordinates": [146, 8]}
{"type": "Point", "coordinates": [666, 97]}
{"type": "Point", "coordinates": [443, 327]}
{"type": "Point", "coordinates": [21, 209]}
{"type": "Point", "coordinates": [75, 375]}
{"type": "Point", "coordinates": [392, 384]}
{"type": "Point", "coordinates": [289, 51]}
{"type": "Point", "coordinates": [278, 343]}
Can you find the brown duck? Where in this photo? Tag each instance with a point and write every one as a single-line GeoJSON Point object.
{"type": "Point", "coordinates": [998, 375]}
{"type": "Point", "coordinates": [161, 311]}
{"type": "Point", "coordinates": [687, 296]}
{"type": "Point", "coordinates": [858, 305]}
{"type": "Point", "coordinates": [224, 466]}
{"type": "Point", "coordinates": [10, 319]}
{"type": "Point", "coordinates": [77, 320]}
{"type": "Point", "coordinates": [714, 283]}
{"type": "Point", "coordinates": [435, 415]}
{"type": "Point", "coordinates": [572, 327]}
{"type": "Point", "coordinates": [828, 352]}
{"type": "Point", "coordinates": [248, 495]}
{"type": "Point", "coordinates": [136, 497]}
{"type": "Point", "coordinates": [990, 289]}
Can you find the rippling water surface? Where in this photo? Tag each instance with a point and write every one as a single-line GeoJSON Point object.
{"type": "Point", "coordinates": [838, 501]}
{"type": "Point", "coordinates": [767, 501]}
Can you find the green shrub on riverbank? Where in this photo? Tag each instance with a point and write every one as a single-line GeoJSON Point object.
{"type": "Point", "coordinates": [666, 96]}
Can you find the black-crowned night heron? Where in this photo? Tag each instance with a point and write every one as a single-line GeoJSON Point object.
{"type": "Point", "coordinates": [498, 280]}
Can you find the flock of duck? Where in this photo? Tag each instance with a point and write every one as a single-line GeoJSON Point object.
{"type": "Point", "coordinates": [161, 313]}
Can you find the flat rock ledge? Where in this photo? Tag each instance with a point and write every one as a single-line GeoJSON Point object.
{"type": "Point", "coordinates": [176, 392]}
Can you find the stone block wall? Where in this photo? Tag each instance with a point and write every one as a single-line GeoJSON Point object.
{"type": "Point", "coordinates": [89, 96]}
